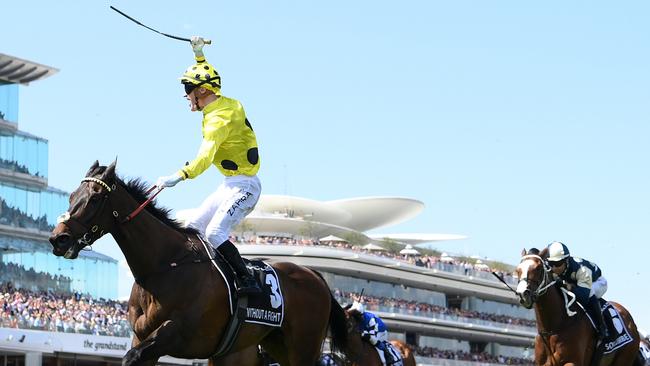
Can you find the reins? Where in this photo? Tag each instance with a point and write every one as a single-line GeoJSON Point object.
{"type": "Point", "coordinates": [144, 204]}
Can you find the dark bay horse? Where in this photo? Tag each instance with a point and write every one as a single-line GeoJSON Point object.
{"type": "Point", "coordinates": [563, 339]}
{"type": "Point", "coordinates": [179, 303]}
{"type": "Point", "coordinates": [362, 353]}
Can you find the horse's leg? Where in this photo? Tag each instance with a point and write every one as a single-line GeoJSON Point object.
{"type": "Point", "coordinates": [274, 345]}
{"type": "Point", "coordinates": [159, 343]}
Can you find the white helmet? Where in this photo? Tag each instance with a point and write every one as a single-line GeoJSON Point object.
{"type": "Point", "coordinates": [557, 251]}
{"type": "Point", "coordinates": [358, 307]}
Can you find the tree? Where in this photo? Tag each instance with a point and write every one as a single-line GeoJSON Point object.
{"type": "Point", "coordinates": [354, 238]}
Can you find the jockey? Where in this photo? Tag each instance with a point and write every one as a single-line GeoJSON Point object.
{"type": "Point", "coordinates": [583, 278]}
{"type": "Point", "coordinates": [373, 330]}
{"type": "Point", "coordinates": [229, 144]}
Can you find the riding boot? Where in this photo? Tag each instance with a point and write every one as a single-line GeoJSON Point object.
{"type": "Point", "coordinates": [388, 355]}
{"type": "Point", "coordinates": [597, 315]}
{"type": "Point", "coordinates": [245, 281]}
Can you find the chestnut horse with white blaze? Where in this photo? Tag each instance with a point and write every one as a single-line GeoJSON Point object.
{"type": "Point", "coordinates": [563, 339]}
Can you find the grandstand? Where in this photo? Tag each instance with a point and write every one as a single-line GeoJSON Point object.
{"type": "Point", "coordinates": [60, 312]}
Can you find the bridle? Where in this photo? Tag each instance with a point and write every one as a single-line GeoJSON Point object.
{"type": "Point", "coordinates": [541, 289]}
{"type": "Point", "coordinates": [545, 283]}
{"type": "Point", "coordinates": [93, 232]}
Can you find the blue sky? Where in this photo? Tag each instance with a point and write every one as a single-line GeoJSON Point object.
{"type": "Point", "coordinates": [515, 123]}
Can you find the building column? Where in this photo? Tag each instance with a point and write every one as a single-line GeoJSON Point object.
{"type": "Point", "coordinates": [33, 359]}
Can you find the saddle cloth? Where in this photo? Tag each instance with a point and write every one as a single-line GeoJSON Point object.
{"type": "Point", "coordinates": [265, 308]}
{"type": "Point", "coordinates": [619, 335]}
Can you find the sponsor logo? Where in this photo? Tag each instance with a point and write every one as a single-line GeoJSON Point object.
{"type": "Point", "coordinates": [240, 200]}
{"type": "Point", "coordinates": [610, 346]}
{"type": "Point", "coordinates": [263, 315]}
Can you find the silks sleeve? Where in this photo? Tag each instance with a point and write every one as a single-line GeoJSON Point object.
{"type": "Point", "coordinates": [214, 133]}
{"type": "Point", "coordinates": [583, 279]}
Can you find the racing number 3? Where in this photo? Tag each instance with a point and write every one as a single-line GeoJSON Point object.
{"type": "Point", "coordinates": [276, 300]}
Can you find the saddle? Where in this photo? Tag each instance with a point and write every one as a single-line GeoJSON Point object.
{"type": "Point", "coordinates": [619, 335]}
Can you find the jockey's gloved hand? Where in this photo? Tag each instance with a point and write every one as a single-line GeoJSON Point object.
{"type": "Point", "coordinates": [197, 45]}
{"type": "Point", "coordinates": [365, 337]}
{"type": "Point", "coordinates": [168, 181]}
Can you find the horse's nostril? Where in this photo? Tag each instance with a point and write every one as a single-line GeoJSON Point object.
{"type": "Point", "coordinates": [62, 239]}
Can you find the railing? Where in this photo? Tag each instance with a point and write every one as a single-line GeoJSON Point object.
{"type": "Point", "coordinates": [119, 329]}
{"type": "Point", "coordinates": [426, 361]}
{"type": "Point", "coordinates": [454, 318]}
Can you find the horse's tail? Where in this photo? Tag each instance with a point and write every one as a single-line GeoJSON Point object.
{"type": "Point", "coordinates": [337, 323]}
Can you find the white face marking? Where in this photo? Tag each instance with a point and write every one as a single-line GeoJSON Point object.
{"type": "Point", "coordinates": [63, 217]}
{"type": "Point", "coordinates": [523, 283]}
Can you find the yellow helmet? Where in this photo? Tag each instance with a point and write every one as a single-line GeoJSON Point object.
{"type": "Point", "coordinates": [204, 75]}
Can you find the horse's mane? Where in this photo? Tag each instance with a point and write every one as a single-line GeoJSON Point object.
{"type": "Point", "coordinates": [138, 190]}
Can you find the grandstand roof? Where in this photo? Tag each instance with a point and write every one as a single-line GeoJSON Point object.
{"type": "Point", "coordinates": [297, 216]}
{"type": "Point", "coordinates": [14, 70]}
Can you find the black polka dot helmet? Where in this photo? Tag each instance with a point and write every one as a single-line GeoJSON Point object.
{"type": "Point", "coordinates": [204, 75]}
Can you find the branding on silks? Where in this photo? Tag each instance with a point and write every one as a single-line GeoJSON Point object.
{"type": "Point", "coordinates": [267, 307]}
{"type": "Point", "coordinates": [619, 335]}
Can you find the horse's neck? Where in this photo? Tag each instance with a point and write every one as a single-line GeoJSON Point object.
{"type": "Point", "coordinates": [549, 311]}
{"type": "Point", "coordinates": [147, 244]}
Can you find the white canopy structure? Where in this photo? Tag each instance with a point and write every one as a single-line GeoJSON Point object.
{"type": "Point", "coordinates": [374, 247]}
{"type": "Point", "coordinates": [297, 217]}
{"type": "Point", "coordinates": [409, 250]}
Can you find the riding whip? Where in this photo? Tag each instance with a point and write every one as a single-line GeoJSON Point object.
{"type": "Point", "coordinates": [206, 41]}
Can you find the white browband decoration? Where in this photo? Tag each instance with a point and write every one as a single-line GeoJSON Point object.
{"type": "Point", "coordinates": [98, 181]}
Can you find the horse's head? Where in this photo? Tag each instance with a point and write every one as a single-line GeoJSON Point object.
{"type": "Point", "coordinates": [354, 318]}
{"type": "Point", "coordinates": [88, 218]}
{"type": "Point", "coordinates": [533, 276]}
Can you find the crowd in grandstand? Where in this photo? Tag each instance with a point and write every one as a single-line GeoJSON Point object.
{"type": "Point", "coordinates": [443, 263]}
{"type": "Point", "coordinates": [12, 165]}
{"type": "Point", "coordinates": [56, 312]}
{"type": "Point", "coordinates": [30, 279]}
{"type": "Point", "coordinates": [421, 309]}
{"type": "Point", "coordinates": [14, 217]}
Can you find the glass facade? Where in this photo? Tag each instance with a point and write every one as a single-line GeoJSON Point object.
{"type": "Point", "coordinates": [9, 102]}
{"type": "Point", "coordinates": [88, 274]}
{"type": "Point", "coordinates": [29, 208]}
{"type": "Point", "coordinates": [28, 213]}
{"type": "Point", "coordinates": [23, 153]}
{"type": "Point", "coordinates": [382, 289]}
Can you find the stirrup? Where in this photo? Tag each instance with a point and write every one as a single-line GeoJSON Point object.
{"type": "Point", "coordinates": [248, 285]}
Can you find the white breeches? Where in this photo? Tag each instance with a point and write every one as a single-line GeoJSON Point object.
{"type": "Point", "coordinates": [226, 207]}
{"type": "Point", "coordinates": [599, 287]}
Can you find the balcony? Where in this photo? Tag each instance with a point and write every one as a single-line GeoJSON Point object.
{"type": "Point", "coordinates": [15, 177]}
{"type": "Point", "coordinates": [8, 126]}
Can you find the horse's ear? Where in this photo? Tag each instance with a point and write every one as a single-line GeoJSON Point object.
{"type": "Point", "coordinates": [523, 252]}
{"type": "Point", "coordinates": [92, 168]}
{"type": "Point", "coordinates": [109, 174]}
{"type": "Point", "coordinates": [544, 253]}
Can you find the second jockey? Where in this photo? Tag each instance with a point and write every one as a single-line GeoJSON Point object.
{"type": "Point", "coordinates": [374, 331]}
{"type": "Point", "coordinates": [583, 278]}
{"type": "Point", "coordinates": [229, 144]}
